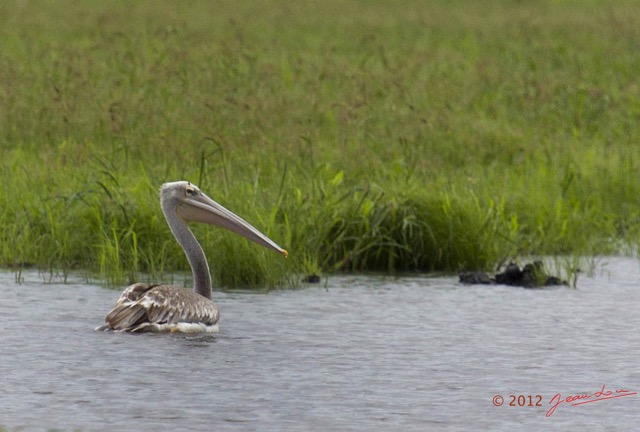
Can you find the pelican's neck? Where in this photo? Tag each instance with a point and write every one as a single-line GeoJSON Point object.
{"type": "Point", "coordinates": [191, 248]}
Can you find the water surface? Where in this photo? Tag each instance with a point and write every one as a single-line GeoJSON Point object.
{"type": "Point", "coordinates": [356, 353]}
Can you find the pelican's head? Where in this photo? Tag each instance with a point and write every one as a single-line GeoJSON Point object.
{"type": "Point", "coordinates": [190, 204]}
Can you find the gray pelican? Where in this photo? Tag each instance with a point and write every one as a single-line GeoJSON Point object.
{"type": "Point", "coordinates": [161, 308]}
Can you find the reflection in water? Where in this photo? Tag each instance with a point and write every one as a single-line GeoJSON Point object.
{"type": "Point", "coordinates": [198, 340]}
{"type": "Point", "coordinates": [372, 353]}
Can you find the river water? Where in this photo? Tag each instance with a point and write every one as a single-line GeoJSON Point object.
{"type": "Point", "coordinates": [354, 353]}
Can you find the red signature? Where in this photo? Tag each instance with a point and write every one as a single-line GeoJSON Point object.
{"type": "Point", "coordinates": [581, 399]}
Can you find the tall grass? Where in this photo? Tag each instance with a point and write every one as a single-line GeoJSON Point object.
{"type": "Point", "coordinates": [427, 136]}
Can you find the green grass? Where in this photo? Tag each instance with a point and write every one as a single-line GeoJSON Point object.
{"type": "Point", "coordinates": [359, 135]}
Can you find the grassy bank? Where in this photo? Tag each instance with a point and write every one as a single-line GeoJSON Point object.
{"type": "Point", "coordinates": [359, 135]}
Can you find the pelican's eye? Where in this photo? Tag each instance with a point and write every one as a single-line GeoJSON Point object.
{"type": "Point", "coordinates": [191, 191]}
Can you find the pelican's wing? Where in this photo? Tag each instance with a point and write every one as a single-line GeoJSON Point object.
{"type": "Point", "coordinates": [172, 304]}
{"type": "Point", "coordinates": [134, 292]}
{"type": "Point", "coordinates": [141, 306]}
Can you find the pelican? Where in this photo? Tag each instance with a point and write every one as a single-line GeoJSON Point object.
{"type": "Point", "coordinates": [169, 308]}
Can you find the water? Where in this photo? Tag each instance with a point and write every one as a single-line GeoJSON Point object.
{"type": "Point", "coordinates": [361, 353]}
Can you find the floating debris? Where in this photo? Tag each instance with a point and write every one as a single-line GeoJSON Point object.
{"type": "Point", "coordinates": [532, 275]}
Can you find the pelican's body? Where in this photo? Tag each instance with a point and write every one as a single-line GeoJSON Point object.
{"type": "Point", "coordinates": [160, 308]}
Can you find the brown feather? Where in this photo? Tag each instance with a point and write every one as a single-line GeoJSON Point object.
{"type": "Point", "coordinates": [142, 305]}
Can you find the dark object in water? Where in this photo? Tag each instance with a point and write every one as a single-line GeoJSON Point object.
{"type": "Point", "coordinates": [312, 278]}
{"type": "Point", "coordinates": [531, 276]}
{"type": "Point", "coordinates": [476, 278]}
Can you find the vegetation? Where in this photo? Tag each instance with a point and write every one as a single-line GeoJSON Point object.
{"type": "Point", "coordinates": [360, 135]}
